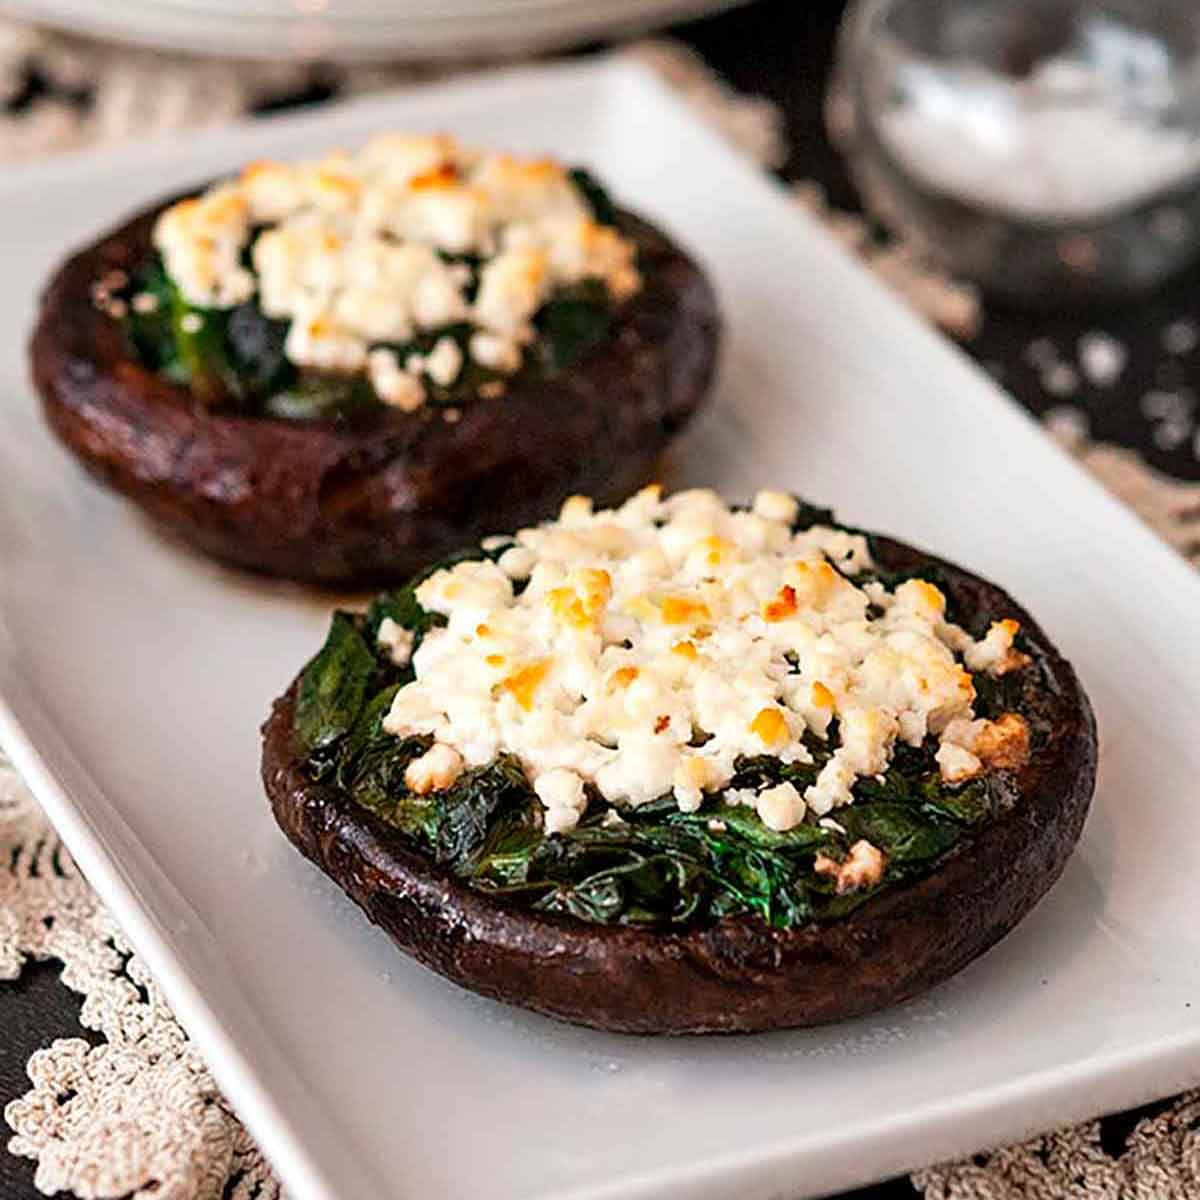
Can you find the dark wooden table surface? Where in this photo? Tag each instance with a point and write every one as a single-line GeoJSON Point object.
{"type": "Point", "coordinates": [781, 49]}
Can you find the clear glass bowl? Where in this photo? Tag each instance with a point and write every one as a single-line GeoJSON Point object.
{"type": "Point", "coordinates": [1047, 149]}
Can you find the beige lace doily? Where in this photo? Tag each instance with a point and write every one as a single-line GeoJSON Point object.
{"type": "Point", "coordinates": [138, 1113]}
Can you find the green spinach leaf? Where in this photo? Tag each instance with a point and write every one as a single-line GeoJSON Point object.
{"type": "Point", "coordinates": [149, 330]}
{"type": "Point", "coordinates": [314, 396]}
{"type": "Point", "coordinates": [334, 686]}
{"type": "Point", "coordinates": [573, 321]}
{"type": "Point", "coordinates": [905, 834]}
{"type": "Point", "coordinates": [471, 807]}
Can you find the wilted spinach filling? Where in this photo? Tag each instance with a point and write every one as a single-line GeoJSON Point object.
{"type": "Point", "coordinates": [234, 358]}
{"type": "Point", "coordinates": [661, 867]}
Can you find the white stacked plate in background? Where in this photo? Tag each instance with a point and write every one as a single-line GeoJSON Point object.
{"type": "Point", "coordinates": [358, 30]}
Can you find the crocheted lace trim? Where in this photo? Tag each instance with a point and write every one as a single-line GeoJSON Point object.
{"type": "Point", "coordinates": [137, 1114]}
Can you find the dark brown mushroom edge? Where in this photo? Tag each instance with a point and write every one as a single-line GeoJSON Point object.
{"type": "Point", "coordinates": [197, 414]}
{"type": "Point", "coordinates": [706, 916]}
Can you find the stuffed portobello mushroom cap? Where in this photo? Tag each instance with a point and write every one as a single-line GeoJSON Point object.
{"type": "Point", "coordinates": [738, 973]}
{"type": "Point", "coordinates": [371, 497]}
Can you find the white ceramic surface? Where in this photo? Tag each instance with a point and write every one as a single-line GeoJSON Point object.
{"type": "Point", "coordinates": [134, 677]}
{"type": "Point", "coordinates": [359, 30]}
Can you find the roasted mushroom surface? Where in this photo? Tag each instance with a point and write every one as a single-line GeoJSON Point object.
{"type": "Point", "coordinates": [341, 370]}
{"type": "Point", "coordinates": [679, 768]}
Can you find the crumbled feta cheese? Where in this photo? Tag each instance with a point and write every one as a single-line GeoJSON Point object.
{"type": "Point", "coordinates": [776, 506]}
{"type": "Point", "coordinates": [398, 158]}
{"type": "Point", "coordinates": [201, 240]}
{"type": "Point", "coordinates": [863, 867]}
{"type": "Point", "coordinates": [561, 791]}
{"type": "Point", "coordinates": [273, 190]}
{"type": "Point", "coordinates": [511, 289]}
{"type": "Point", "coordinates": [577, 248]}
{"type": "Point", "coordinates": [867, 736]}
{"type": "Point", "coordinates": [956, 763]}
{"type": "Point", "coordinates": [392, 384]}
{"type": "Point", "coordinates": [444, 362]}
{"type": "Point", "coordinates": [995, 654]}
{"type": "Point", "coordinates": [314, 338]}
{"type": "Point", "coordinates": [496, 353]}
{"type": "Point", "coordinates": [630, 661]}
{"type": "Point", "coordinates": [746, 797]}
{"type": "Point", "coordinates": [1003, 744]}
{"type": "Point", "coordinates": [967, 747]}
{"type": "Point", "coordinates": [396, 640]}
{"type": "Point", "coordinates": [359, 240]}
{"type": "Point", "coordinates": [517, 562]}
{"type": "Point", "coordinates": [692, 776]}
{"type": "Point", "coordinates": [832, 789]}
{"type": "Point", "coordinates": [434, 771]}
{"type": "Point", "coordinates": [438, 300]}
{"type": "Point", "coordinates": [781, 808]}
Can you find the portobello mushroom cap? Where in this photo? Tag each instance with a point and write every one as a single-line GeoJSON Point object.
{"type": "Point", "coordinates": [372, 498]}
{"type": "Point", "coordinates": [738, 975]}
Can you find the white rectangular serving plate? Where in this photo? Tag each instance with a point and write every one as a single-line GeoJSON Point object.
{"type": "Point", "coordinates": [134, 678]}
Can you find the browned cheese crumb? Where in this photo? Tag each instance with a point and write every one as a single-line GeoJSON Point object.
{"type": "Point", "coordinates": [863, 867]}
{"type": "Point", "coordinates": [1003, 744]}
